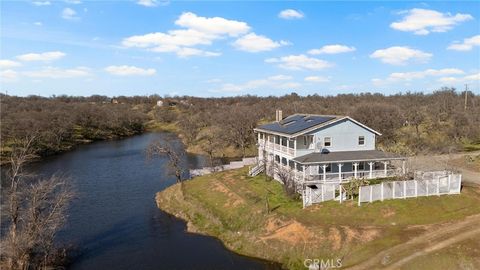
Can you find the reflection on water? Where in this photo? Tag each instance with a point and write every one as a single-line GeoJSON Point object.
{"type": "Point", "coordinates": [115, 221]}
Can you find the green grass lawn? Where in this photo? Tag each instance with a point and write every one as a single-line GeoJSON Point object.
{"type": "Point", "coordinates": [233, 207]}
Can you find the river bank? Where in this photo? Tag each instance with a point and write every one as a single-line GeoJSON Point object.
{"type": "Point", "coordinates": [253, 217]}
{"type": "Point", "coordinates": [114, 222]}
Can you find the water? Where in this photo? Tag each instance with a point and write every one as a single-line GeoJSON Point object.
{"type": "Point", "coordinates": [115, 222]}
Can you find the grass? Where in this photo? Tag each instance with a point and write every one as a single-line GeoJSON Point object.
{"type": "Point", "coordinates": [233, 207]}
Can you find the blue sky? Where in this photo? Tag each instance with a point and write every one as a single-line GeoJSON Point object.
{"type": "Point", "coordinates": [144, 47]}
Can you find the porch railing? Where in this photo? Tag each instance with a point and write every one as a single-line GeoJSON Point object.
{"type": "Point", "coordinates": [270, 146]}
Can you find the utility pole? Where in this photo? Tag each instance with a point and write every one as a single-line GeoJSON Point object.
{"type": "Point", "coordinates": [466, 97]}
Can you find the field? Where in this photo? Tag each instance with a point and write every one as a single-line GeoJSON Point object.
{"type": "Point", "coordinates": [252, 216]}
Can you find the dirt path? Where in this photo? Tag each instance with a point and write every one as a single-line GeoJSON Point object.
{"type": "Point", "coordinates": [441, 162]}
{"type": "Point", "coordinates": [436, 239]}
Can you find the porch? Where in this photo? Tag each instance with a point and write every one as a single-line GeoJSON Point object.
{"type": "Point", "coordinates": [344, 166]}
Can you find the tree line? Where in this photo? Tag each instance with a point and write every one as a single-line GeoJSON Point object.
{"type": "Point", "coordinates": [410, 123]}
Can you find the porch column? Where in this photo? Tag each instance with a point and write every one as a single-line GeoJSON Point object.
{"type": "Point", "coordinates": [340, 171]}
{"type": "Point", "coordinates": [295, 147]}
{"type": "Point", "coordinates": [355, 165]}
{"type": "Point", "coordinates": [385, 168]}
{"type": "Point", "coordinates": [304, 169]}
{"type": "Point", "coordinates": [370, 175]}
{"type": "Point", "coordinates": [324, 173]}
{"type": "Point", "coordinates": [403, 166]}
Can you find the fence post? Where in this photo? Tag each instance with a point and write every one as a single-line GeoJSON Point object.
{"type": "Point", "coordinates": [323, 196]}
{"type": "Point", "coordinates": [426, 185]}
{"type": "Point", "coordinates": [371, 193]}
{"type": "Point", "coordinates": [459, 183]}
{"type": "Point", "coordinates": [340, 187]}
{"type": "Point", "coordinates": [304, 194]}
{"type": "Point", "coordinates": [381, 190]}
{"type": "Point", "coordinates": [359, 194]}
{"type": "Point", "coordinates": [449, 180]}
{"type": "Point", "coordinates": [438, 186]}
{"type": "Point", "coordinates": [404, 189]}
{"type": "Point", "coordinates": [334, 192]}
{"type": "Point", "coordinates": [393, 189]}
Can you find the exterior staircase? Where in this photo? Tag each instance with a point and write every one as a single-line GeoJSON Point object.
{"type": "Point", "coordinates": [256, 170]}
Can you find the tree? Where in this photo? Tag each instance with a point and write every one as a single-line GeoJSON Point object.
{"type": "Point", "coordinates": [286, 175]}
{"type": "Point", "coordinates": [174, 154]}
{"type": "Point", "coordinates": [34, 210]}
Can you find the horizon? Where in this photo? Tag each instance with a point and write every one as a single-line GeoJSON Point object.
{"type": "Point", "coordinates": [83, 48]}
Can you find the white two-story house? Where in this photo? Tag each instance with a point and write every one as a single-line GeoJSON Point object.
{"type": "Point", "coordinates": [323, 148]}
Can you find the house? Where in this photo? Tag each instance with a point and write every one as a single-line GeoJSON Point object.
{"type": "Point", "coordinates": [323, 149]}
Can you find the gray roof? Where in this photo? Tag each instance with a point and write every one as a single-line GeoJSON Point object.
{"type": "Point", "coordinates": [366, 155]}
{"type": "Point", "coordinates": [296, 123]}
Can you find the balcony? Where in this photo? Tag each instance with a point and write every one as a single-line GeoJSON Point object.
{"type": "Point", "coordinates": [273, 147]}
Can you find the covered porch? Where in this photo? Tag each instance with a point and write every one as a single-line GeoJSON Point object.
{"type": "Point", "coordinates": [344, 166]}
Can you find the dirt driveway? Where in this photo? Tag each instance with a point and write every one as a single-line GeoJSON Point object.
{"type": "Point", "coordinates": [470, 170]}
{"type": "Point", "coordinates": [434, 240]}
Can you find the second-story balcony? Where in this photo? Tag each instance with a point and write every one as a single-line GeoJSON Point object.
{"type": "Point", "coordinates": [288, 149]}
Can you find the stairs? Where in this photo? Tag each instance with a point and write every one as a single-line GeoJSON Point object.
{"type": "Point", "coordinates": [255, 170]}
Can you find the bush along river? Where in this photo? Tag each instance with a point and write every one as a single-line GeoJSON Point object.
{"type": "Point", "coordinates": [115, 223]}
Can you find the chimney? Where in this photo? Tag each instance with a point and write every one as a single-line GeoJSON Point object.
{"type": "Point", "coordinates": [278, 115]}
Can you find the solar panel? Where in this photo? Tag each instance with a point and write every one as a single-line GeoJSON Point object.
{"type": "Point", "coordinates": [296, 123]}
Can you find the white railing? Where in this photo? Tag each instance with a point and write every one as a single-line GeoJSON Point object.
{"type": "Point", "coordinates": [270, 146]}
{"type": "Point", "coordinates": [435, 186]}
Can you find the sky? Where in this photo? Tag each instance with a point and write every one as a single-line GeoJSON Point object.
{"type": "Point", "coordinates": [220, 48]}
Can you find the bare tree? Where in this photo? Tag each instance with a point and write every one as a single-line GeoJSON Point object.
{"type": "Point", "coordinates": [174, 154]}
{"type": "Point", "coordinates": [33, 211]}
{"type": "Point", "coordinates": [286, 176]}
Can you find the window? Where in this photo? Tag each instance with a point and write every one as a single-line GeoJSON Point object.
{"type": "Point", "coordinates": [327, 141]}
{"type": "Point", "coordinates": [284, 161]}
{"type": "Point", "coordinates": [361, 166]}
{"type": "Point", "coordinates": [329, 168]}
{"type": "Point", "coordinates": [304, 140]}
{"type": "Point", "coordinates": [361, 140]}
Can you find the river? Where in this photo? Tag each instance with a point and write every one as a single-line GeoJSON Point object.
{"type": "Point", "coordinates": [115, 222]}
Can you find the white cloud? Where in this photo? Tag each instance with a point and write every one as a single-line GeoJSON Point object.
{"type": "Point", "coordinates": [216, 26]}
{"type": "Point", "coordinates": [299, 62]}
{"type": "Point", "coordinates": [153, 3]}
{"type": "Point", "coordinates": [332, 49]}
{"type": "Point", "coordinates": [316, 79]}
{"type": "Point", "coordinates": [46, 56]}
{"type": "Point", "coordinates": [38, 23]}
{"type": "Point", "coordinates": [469, 78]}
{"type": "Point", "coordinates": [423, 21]}
{"type": "Point", "coordinates": [416, 75]}
{"type": "Point", "coordinates": [199, 31]}
{"type": "Point", "coordinates": [400, 55]}
{"type": "Point", "coordinates": [8, 75]}
{"type": "Point", "coordinates": [9, 63]}
{"type": "Point", "coordinates": [257, 43]}
{"type": "Point", "coordinates": [73, 2]}
{"type": "Point", "coordinates": [290, 14]}
{"type": "Point", "coordinates": [129, 70]}
{"type": "Point", "coordinates": [41, 3]}
{"type": "Point", "coordinates": [467, 44]}
{"type": "Point", "coordinates": [280, 77]}
{"type": "Point", "coordinates": [273, 82]}
{"type": "Point", "coordinates": [187, 52]}
{"type": "Point", "coordinates": [58, 73]}
{"type": "Point", "coordinates": [69, 14]}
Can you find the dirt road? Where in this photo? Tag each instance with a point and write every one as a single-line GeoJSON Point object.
{"type": "Point", "coordinates": [436, 239]}
{"type": "Point", "coordinates": [470, 173]}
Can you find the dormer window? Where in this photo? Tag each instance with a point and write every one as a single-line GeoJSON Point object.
{"type": "Point", "coordinates": [361, 140]}
{"type": "Point", "coordinates": [327, 141]}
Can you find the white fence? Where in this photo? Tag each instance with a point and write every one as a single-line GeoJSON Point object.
{"type": "Point", "coordinates": [322, 192]}
{"type": "Point", "coordinates": [438, 184]}
{"type": "Point", "coordinates": [232, 165]}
